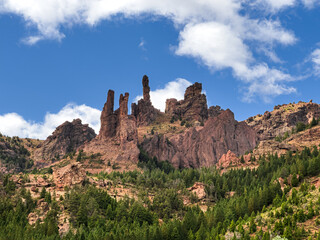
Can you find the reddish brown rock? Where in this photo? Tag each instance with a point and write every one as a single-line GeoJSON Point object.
{"type": "Point", "coordinates": [66, 138]}
{"type": "Point", "coordinates": [214, 111]}
{"type": "Point", "coordinates": [228, 159]}
{"type": "Point", "coordinates": [69, 175]}
{"type": "Point", "coordinates": [144, 112]}
{"type": "Point", "coordinates": [146, 88]}
{"type": "Point", "coordinates": [118, 137]}
{"type": "Point", "coordinates": [283, 119]}
{"type": "Point", "coordinates": [192, 108]}
{"type": "Point", "coordinates": [108, 118]}
{"type": "Point", "coordinates": [203, 146]}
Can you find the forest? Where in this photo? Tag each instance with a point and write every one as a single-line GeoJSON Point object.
{"type": "Point", "coordinates": [258, 209]}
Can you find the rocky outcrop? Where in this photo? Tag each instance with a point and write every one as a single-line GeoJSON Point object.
{"type": "Point", "coordinates": [117, 124]}
{"type": "Point", "coordinates": [118, 137]}
{"type": "Point", "coordinates": [283, 119]}
{"type": "Point", "coordinates": [69, 175]}
{"type": "Point", "coordinates": [108, 118]}
{"type": "Point", "coordinates": [144, 112]}
{"type": "Point", "coordinates": [214, 111]}
{"type": "Point", "coordinates": [192, 108]}
{"type": "Point", "coordinates": [66, 138]}
{"type": "Point", "coordinates": [203, 146]}
{"type": "Point", "coordinates": [273, 147]}
{"type": "Point", "coordinates": [198, 189]}
{"type": "Point", "coordinates": [228, 159]}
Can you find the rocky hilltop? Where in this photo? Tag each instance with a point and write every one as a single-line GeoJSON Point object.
{"type": "Point", "coordinates": [277, 130]}
{"type": "Point", "coordinates": [283, 119]}
{"type": "Point", "coordinates": [67, 138]}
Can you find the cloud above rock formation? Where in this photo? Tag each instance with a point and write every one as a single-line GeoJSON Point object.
{"type": "Point", "coordinates": [173, 89]}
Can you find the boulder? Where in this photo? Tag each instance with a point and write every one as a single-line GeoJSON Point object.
{"type": "Point", "coordinates": [198, 189]}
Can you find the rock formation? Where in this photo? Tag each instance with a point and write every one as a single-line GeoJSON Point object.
{"type": "Point", "coordinates": [199, 189]}
{"type": "Point", "coordinates": [118, 136]}
{"type": "Point", "coordinates": [228, 159]}
{"type": "Point", "coordinates": [108, 118]}
{"type": "Point", "coordinates": [117, 124]}
{"type": "Point", "coordinates": [69, 175]}
{"type": "Point", "coordinates": [192, 108]}
{"type": "Point", "coordinates": [144, 112]}
{"type": "Point", "coordinates": [66, 138]}
{"type": "Point", "coordinates": [203, 146]}
{"type": "Point", "coordinates": [283, 118]}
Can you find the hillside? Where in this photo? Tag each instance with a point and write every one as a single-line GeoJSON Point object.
{"type": "Point", "coordinates": [192, 172]}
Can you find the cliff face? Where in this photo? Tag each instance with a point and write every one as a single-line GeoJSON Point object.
{"type": "Point", "coordinates": [66, 138]}
{"type": "Point", "coordinates": [192, 108]}
{"type": "Point", "coordinates": [203, 146]}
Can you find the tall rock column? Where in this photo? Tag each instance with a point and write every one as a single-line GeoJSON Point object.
{"type": "Point", "coordinates": [108, 118]}
{"type": "Point", "coordinates": [123, 104]}
{"type": "Point", "coordinates": [144, 112]}
{"type": "Point", "coordinates": [146, 88]}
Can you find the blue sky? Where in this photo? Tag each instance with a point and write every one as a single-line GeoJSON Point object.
{"type": "Point", "coordinates": [59, 58]}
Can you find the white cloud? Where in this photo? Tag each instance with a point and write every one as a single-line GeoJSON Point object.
{"type": "Point", "coordinates": [315, 58]}
{"type": "Point", "coordinates": [12, 124]}
{"type": "Point", "coordinates": [310, 3]}
{"type": "Point", "coordinates": [218, 47]}
{"type": "Point", "coordinates": [275, 5]}
{"type": "Point", "coordinates": [174, 89]}
{"type": "Point", "coordinates": [221, 34]}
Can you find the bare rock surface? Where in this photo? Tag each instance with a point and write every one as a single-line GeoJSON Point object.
{"type": "Point", "coordinates": [203, 146]}
{"type": "Point", "coordinates": [118, 137]}
{"type": "Point", "coordinates": [192, 108]}
{"type": "Point", "coordinates": [283, 118]}
{"type": "Point", "coordinates": [69, 175]}
{"type": "Point", "coordinates": [198, 189]}
{"type": "Point", "coordinates": [143, 111]}
{"type": "Point", "coordinates": [66, 138]}
{"type": "Point", "coordinates": [228, 159]}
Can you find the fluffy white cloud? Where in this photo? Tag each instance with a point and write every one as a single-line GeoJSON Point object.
{"type": "Point", "coordinates": [12, 124]}
{"type": "Point", "coordinates": [217, 46]}
{"type": "Point", "coordinates": [174, 89]}
{"type": "Point", "coordinates": [221, 34]}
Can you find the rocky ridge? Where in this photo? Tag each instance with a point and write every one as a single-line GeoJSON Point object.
{"type": "Point", "coordinates": [283, 119]}
{"type": "Point", "coordinates": [203, 146]}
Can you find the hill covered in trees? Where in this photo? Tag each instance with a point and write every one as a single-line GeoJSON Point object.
{"type": "Point", "coordinates": [280, 197]}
